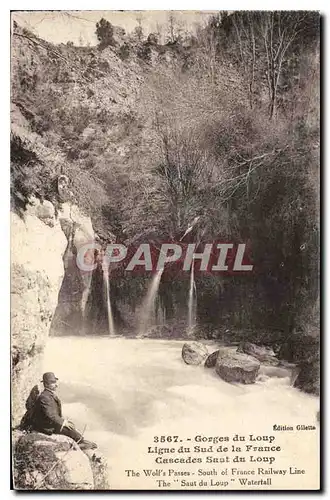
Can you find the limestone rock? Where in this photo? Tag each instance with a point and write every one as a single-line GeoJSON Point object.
{"type": "Point", "coordinates": [299, 347]}
{"type": "Point", "coordinates": [36, 277]}
{"type": "Point", "coordinates": [237, 367]}
{"type": "Point", "coordinates": [44, 210]}
{"type": "Point", "coordinates": [308, 378]}
{"type": "Point", "coordinates": [63, 183]}
{"type": "Point", "coordinates": [304, 350]}
{"type": "Point", "coordinates": [46, 213]}
{"type": "Point", "coordinates": [99, 467]}
{"type": "Point", "coordinates": [263, 354]}
{"type": "Point", "coordinates": [194, 353]}
{"type": "Point", "coordinates": [70, 213]}
{"type": "Point", "coordinates": [54, 462]}
{"type": "Point", "coordinates": [212, 359]}
{"type": "Point", "coordinates": [76, 284]}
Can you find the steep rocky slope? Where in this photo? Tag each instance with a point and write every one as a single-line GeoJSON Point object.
{"type": "Point", "coordinates": [78, 110]}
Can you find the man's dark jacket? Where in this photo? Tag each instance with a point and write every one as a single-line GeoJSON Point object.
{"type": "Point", "coordinates": [47, 413]}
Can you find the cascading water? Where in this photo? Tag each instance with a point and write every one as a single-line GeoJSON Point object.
{"type": "Point", "coordinates": [106, 285]}
{"type": "Point", "coordinates": [148, 306]}
{"type": "Point", "coordinates": [192, 301]}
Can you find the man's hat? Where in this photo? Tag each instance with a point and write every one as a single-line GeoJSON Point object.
{"type": "Point", "coordinates": [49, 378]}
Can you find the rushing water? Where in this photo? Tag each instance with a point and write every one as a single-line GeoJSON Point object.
{"type": "Point", "coordinates": [148, 306]}
{"type": "Point", "coordinates": [106, 284]}
{"type": "Point", "coordinates": [129, 390]}
{"type": "Point", "coordinates": [192, 298]}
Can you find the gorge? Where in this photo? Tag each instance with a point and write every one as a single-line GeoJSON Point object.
{"type": "Point", "coordinates": [135, 142]}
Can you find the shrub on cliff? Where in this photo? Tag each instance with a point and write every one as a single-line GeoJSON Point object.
{"type": "Point", "coordinates": [144, 52]}
{"type": "Point", "coordinates": [104, 32]}
{"type": "Point", "coordinates": [27, 174]}
{"type": "Point", "coordinates": [124, 51]}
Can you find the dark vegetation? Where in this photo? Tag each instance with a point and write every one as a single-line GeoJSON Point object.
{"type": "Point", "coordinates": [222, 124]}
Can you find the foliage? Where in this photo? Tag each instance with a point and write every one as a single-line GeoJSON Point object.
{"type": "Point", "coordinates": [144, 52]}
{"type": "Point", "coordinates": [138, 33]}
{"type": "Point", "coordinates": [27, 173]}
{"type": "Point", "coordinates": [104, 33]}
{"type": "Point", "coordinates": [124, 51]}
{"type": "Point", "coordinates": [266, 46]}
{"type": "Point", "coordinates": [152, 39]}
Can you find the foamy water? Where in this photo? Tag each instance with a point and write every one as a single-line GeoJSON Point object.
{"type": "Point", "coordinates": [148, 306]}
{"type": "Point", "coordinates": [191, 301]}
{"type": "Point", "coordinates": [127, 391]}
{"type": "Point", "coordinates": [106, 284]}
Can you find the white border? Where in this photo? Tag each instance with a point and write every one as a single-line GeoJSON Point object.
{"type": "Point", "coordinates": [168, 5]}
{"type": "Point", "coordinates": [322, 6]}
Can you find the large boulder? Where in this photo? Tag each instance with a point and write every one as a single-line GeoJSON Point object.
{"type": "Point", "coordinates": [262, 353]}
{"type": "Point", "coordinates": [308, 378]}
{"type": "Point", "coordinates": [211, 360]}
{"type": "Point", "coordinates": [237, 367]}
{"type": "Point", "coordinates": [194, 353]}
{"type": "Point", "coordinates": [54, 462]}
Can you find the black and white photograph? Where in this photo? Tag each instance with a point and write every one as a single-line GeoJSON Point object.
{"type": "Point", "coordinates": [165, 250]}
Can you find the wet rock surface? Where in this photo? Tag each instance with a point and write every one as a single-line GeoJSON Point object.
{"type": "Point", "coordinates": [304, 352]}
{"type": "Point", "coordinates": [262, 353]}
{"type": "Point", "coordinates": [308, 378]}
{"type": "Point", "coordinates": [237, 367]}
{"type": "Point", "coordinates": [194, 353]}
{"type": "Point", "coordinates": [75, 289]}
{"type": "Point", "coordinates": [211, 360]}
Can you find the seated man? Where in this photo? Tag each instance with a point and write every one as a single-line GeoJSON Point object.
{"type": "Point", "coordinates": [47, 414]}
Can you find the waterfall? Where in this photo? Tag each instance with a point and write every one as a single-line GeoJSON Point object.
{"type": "Point", "coordinates": [106, 285]}
{"type": "Point", "coordinates": [160, 313]}
{"type": "Point", "coordinates": [192, 301]}
{"type": "Point", "coordinates": [148, 306]}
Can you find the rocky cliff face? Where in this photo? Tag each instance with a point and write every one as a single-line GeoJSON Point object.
{"type": "Point", "coordinates": [73, 295]}
{"type": "Point", "coordinates": [36, 275]}
{"type": "Point", "coordinates": [44, 243]}
{"type": "Point", "coordinates": [43, 286]}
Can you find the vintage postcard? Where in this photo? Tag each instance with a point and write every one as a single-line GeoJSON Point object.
{"type": "Point", "coordinates": [165, 186]}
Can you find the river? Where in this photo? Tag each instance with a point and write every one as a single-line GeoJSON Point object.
{"type": "Point", "coordinates": [127, 391]}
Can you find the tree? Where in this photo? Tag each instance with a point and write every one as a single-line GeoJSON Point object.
{"type": "Point", "coordinates": [264, 45]}
{"type": "Point", "coordinates": [152, 39]}
{"type": "Point", "coordinates": [184, 170]}
{"type": "Point", "coordinates": [245, 32]}
{"type": "Point", "coordinates": [138, 30]}
{"type": "Point", "coordinates": [159, 31]}
{"type": "Point", "coordinates": [278, 32]}
{"type": "Point", "coordinates": [104, 33]}
{"type": "Point", "coordinates": [174, 29]}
